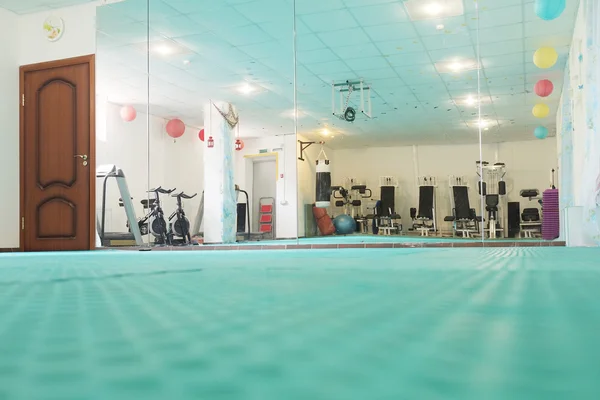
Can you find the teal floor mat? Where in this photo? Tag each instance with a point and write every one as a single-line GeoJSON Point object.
{"type": "Point", "coordinates": [505, 323]}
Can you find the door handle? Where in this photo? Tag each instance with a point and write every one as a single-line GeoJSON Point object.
{"type": "Point", "coordinates": [84, 157]}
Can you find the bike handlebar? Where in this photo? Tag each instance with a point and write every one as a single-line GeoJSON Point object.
{"type": "Point", "coordinates": [184, 196]}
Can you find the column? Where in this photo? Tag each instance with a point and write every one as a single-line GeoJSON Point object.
{"type": "Point", "coordinates": [220, 203]}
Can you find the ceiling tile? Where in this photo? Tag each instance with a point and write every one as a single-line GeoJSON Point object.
{"type": "Point", "coordinates": [388, 13]}
{"type": "Point", "coordinates": [329, 21]}
{"type": "Point", "coordinates": [382, 33]}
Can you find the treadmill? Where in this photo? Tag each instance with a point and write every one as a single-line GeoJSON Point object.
{"type": "Point", "coordinates": [116, 239]}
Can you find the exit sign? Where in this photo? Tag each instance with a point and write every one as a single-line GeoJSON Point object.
{"type": "Point", "coordinates": [261, 151]}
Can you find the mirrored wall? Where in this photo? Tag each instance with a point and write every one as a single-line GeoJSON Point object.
{"type": "Point", "coordinates": [338, 122]}
{"type": "Point", "coordinates": [387, 94]}
{"type": "Point", "coordinates": [428, 121]}
{"type": "Point", "coordinates": [197, 104]}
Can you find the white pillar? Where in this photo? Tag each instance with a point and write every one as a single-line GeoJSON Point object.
{"type": "Point", "coordinates": [220, 204]}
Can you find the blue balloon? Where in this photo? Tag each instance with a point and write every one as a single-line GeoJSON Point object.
{"type": "Point", "coordinates": [541, 132]}
{"type": "Point", "coordinates": [549, 9]}
{"type": "Point", "coordinates": [344, 224]}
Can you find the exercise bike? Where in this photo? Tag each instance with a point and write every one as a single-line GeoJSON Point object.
{"type": "Point", "coordinates": [181, 227]}
{"type": "Point", "coordinates": [155, 219]}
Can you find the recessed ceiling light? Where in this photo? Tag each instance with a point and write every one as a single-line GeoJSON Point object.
{"type": "Point", "coordinates": [186, 62]}
{"type": "Point", "coordinates": [246, 89]}
{"type": "Point", "coordinates": [440, 27]}
{"type": "Point", "coordinates": [163, 50]}
{"type": "Point", "coordinates": [433, 9]}
{"type": "Point", "coordinates": [419, 10]}
{"type": "Point", "coordinates": [470, 101]}
{"type": "Point", "coordinates": [456, 65]}
{"type": "Point", "coordinates": [325, 132]}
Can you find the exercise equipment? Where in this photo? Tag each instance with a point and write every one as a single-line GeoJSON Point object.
{"type": "Point", "coordinates": [345, 89]}
{"type": "Point", "coordinates": [531, 219]}
{"type": "Point", "coordinates": [180, 229]}
{"type": "Point", "coordinates": [323, 181]}
{"type": "Point", "coordinates": [110, 239]}
{"type": "Point", "coordinates": [551, 210]}
{"type": "Point", "coordinates": [344, 224]}
{"type": "Point", "coordinates": [351, 200]}
{"type": "Point", "coordinates": [493, 187]}
{"type": "Point", "coordinates": [388, 220]}
{"type": "Point", "coordinates": [199, 217]}
{"type": "Point", "coordinates": [157, 225]}
{"type": "Point", "coordinates": [424, 218]}
{"type": "Point", "coordinates": [324, 222]}
{"type": "Point", "coordinates": [465, 221]}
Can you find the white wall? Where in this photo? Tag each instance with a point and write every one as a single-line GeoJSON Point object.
{"type": "Point", "coordinates": [286, 208]}
{"type": "Point", "coordinates": [9, 135]}
{"type": "Point", "coordinates": [27, 44]}
{"type": "Point", "coordinates": [529, 165]}
{"type": "Point", "coordinates": [79, 37]}
{"type": "Point", "coordinates": [173, 164]}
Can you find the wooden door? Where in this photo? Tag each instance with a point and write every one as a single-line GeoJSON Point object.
{"type": "Point", "coordinates": [57, 155]}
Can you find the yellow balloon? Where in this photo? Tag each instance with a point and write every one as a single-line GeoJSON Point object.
{"type": "Point", "coordinates": [545, 57]}
{"type": "Point", "coordinates": [541, 110]}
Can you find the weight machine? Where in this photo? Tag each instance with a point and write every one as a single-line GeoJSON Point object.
{"type": "Point", "coordinates": [345, 89]}
{"type": "Point", "coordinates": [424, 218]}
{"type": "Point", "coordinates": [464, 218]}
{"type": "Point", "coordinates": [493, 188]}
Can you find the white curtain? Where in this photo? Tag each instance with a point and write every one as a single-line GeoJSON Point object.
{"type": "Point", "coordinates": [591, 173]}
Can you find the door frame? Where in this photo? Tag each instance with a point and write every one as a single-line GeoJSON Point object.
{"type": "Point", "coordinates": [91, 61]}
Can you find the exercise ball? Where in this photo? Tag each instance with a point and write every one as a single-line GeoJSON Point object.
{"type": "Point", "coordinates": [201, 134]}
{"type": "Point", "coordinates": [128, 113]}
{"type": "Point", "coordinates": [545, 57]}
{"type": "Point", "coordinates": [175, 128]}
{"type": "Point", "coordinates": [541, 132]}
{"type": "Point", "coordinates": [344, 224]}
{"type": "Point", "coordinates": [540, 110]}
{"type": "Point", "coordinates": [543, 88]}
{"type": "Point", "coordinates": [549, 9]}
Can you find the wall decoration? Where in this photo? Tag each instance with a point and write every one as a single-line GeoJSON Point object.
{"type": "Point", "coordinates": [175, 128]}
{"type": "Point", "coordinates": [544, 88]}
{"type": "Point", "coordinates": [540, 110]}
{"type": "Point", "coordinates": [545, 57]}
{"type": "Point", "coordinates": [549, 9]}
{"type": "Point", "coordinates": [239, 144]}
{"type": "Point", "coordinates": [201, 134]}
{"type": "Point", "coordinates": [54, 27]}
{"type": "Point", "coordinates": [128, 113]}
{"type": "Point", "coordinates": [541, 132]}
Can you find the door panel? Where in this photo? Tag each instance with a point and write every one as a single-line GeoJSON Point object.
{"type": "Point", "coordinates": [57, 131]}
{"type": "Point", "coordinates": [264, 184]}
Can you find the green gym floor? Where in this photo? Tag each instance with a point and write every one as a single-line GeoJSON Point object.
{"type": "Point", "coordinates": [368, 324]}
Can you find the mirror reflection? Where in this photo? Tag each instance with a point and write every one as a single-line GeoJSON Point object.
{"type": "Point", "coordinates": [416, 122]}
{"type": "Point", "coordinates": [210, 153]}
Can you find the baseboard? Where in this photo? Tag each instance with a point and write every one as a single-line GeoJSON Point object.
{"type": "Point", "coordinates": [9, 250]}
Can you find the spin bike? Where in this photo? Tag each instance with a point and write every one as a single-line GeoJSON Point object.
{"type": "Point", "coordinates": [156, 218]}
{"type": "Point", "coordinates": [181, 227]}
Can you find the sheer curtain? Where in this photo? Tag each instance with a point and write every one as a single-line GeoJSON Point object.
{"type": "Point", "coordinates": [591, 173]}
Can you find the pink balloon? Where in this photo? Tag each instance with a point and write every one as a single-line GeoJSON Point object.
{"type": "Point", "coordinates": [128, 113]}
{"type": "Point", "coordinates": [175, 128]}
{"type": "Point", "coordinates": [544, 88]}
{"type": "Point", "coordinates": [201, 134]}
